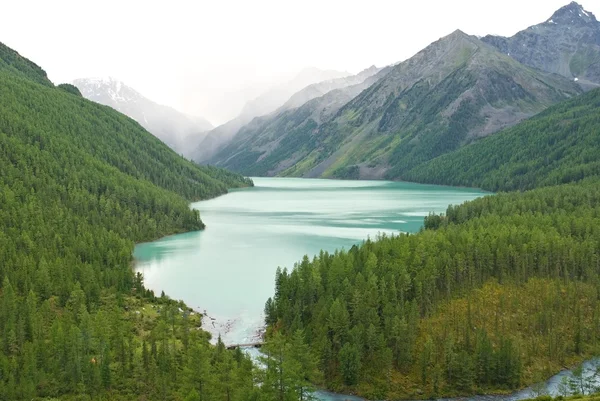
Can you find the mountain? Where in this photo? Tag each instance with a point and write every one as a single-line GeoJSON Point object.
{"type": "Point", "coordinates": [266, 103]}
{"type": "Point", "coordinates": [279, 94]}
{"type": "Point", "coordinates": [271, 144]}
{"type": "Point", "coordinates": [320, 88]}
{"type": "Point", "coordinates": [452, 92]}
{"type": "Point", "coordinates": [179, 131]}
{"type": "Point", "coordinates": [568, 43]}
{"type": "Point", "coordinates": [559, 145]}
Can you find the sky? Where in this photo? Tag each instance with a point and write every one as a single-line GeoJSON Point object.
{"type": "Point", "coordinates": [208, 58]}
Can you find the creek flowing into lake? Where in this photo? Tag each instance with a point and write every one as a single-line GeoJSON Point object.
{"type": "Point", "coordinates": [227, 270]}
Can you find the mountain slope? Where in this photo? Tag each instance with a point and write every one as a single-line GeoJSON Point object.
{"type": "Point", "coordinates": [266, 103]}
{"type": "Point", "coordinates": [80, 183]}
{"type": "Point", "coordinates": [455, 90]}
{"type": "Point", "coordinates": [179, 131]}
{"type": "Point", "coordinates": [497, 294]}
{"type": "Point", "coordinates": [13, 62]}
{"type": "Point", "coordinates": [561, 144]}
{"type": "Point", "coordinates": [568, 43]}
{"type": "Point", "coordinates": [271, 144]}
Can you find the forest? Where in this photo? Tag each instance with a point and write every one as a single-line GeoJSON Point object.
{"type": "Point", "coordinates": [557, 146]}
{"type": "Point", "coordinates": [80, 184]}
{"type": "Point", "coordinates": [493, 295]}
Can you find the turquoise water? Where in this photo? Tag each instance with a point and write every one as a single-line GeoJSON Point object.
{"type": "Point", "coordinates": [228, 269]}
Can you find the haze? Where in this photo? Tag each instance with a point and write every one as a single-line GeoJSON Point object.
{"type": "Point", "coordinates": [208, 58]}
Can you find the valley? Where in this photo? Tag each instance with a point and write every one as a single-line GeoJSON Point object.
{"type": "Point", "coordinates": [424, 228]}
{"type": "Point", "coordinates": [275, 223]}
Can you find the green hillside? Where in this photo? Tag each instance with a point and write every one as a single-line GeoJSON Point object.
{"type": "Point", "coordinates": [498, 293]}
{"type": "Point", "coordinates": [13, 62]}
{"type": "Point", "coordinates": [560, 145]}
{"type": "Point", "coordinates": [79, 185]}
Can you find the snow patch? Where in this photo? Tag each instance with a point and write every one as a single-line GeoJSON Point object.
{"type": "Point", "coordinates": [576, 79]}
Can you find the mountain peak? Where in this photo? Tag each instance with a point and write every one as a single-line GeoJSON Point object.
{"type": "Point", "coordinates": [572, 14]}
{"type": "Point", "coordinates": [116, 89]}
{"type": "Point", "coordinates": [458, 34]}
{"type": "Point", "coordinates": [456, 38]}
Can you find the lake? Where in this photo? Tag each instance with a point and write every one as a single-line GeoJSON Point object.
{"type": "Point", "coordinates": [228, 269]}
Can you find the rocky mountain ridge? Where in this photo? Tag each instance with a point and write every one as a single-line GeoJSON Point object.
{"type": "Point", "coordinates": [452, 92]}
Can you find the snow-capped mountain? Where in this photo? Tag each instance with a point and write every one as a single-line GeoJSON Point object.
{"type": "Point", "coordinates": [179, 131]}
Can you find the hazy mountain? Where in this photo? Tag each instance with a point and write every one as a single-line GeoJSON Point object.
{"type": "Point", "coordinates": [568, 43]}
{"type": "Point", "coordinates": [179, 131]}
{"type": "Point", "coordinates": [320, 88]}
{"type": "Point", "coordinates": [272, 99]}
{"type": "Point", "coordinates": [272, 143]}
{"type": "Point", "coordinates": [453, 91]}
{"type": "Point", "coordinates": [264, 104]}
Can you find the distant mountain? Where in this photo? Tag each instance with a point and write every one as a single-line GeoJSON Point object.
{"type": "Point", "coordinates": [568, 43]}
{"type": "Point", "coordinates": [272, 99]}
{"type": "Point", "coordinates": [179, 131]}
{"type": "Point", "coordinates": [264, 104]}
{"type": "Point", "coordinates": [273, 143]}
{"type": "Point", "coordinates": [320, 88]}
{"type": "Point", "coordinates": [455, 90]}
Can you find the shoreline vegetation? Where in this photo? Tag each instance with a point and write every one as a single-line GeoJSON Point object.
{"type": "Point", "coordinates": [494, 294]}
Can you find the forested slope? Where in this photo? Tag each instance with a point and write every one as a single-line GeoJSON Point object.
{"type": "Point", "coordinates": [79, 184]}
{"type": "Point", "coordinates": [560, 145]}
{"type": "Point", "coordinates": [497, 293]}
{"type": "Point", "coordinates": [502, 292]}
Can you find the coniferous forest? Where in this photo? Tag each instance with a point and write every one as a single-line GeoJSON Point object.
{"type": "Point", "coordinates": [496, 294]}
{"type": "Point", "coordinates": [79, 185]}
